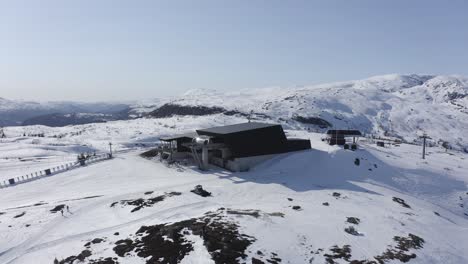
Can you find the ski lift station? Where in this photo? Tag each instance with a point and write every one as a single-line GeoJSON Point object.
{"type": "Point", "coordinates": [338, 137]}
{"type": "Point", "coordinates": [234, 147]}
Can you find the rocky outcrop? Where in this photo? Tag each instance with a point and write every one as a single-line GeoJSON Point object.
{"type": "Point", "coordinates": [169, 110]}
{"type": "Point", "coordinates": [322, 123]}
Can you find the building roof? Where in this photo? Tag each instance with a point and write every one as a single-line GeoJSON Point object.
{"type": "Point", "coordinates": [344, 132]}
{"type": "Point", "coordinates": [230, 129]}
{"type": "Point", "coordinates": [179, 136]}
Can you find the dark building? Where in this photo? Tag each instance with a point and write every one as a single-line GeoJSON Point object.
{"type": "Point", "coordinates": [254, 139]}
{"type": "Point", "coordinates": [235, 147]}
{"type": "Point", "coordinates": [338, 137]}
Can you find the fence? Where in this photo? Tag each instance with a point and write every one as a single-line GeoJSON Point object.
{"type": "Point", "coordinates": [52, 171]}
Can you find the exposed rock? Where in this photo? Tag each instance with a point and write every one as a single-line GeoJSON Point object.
{"type": "Point", "coordinates": [142, 203]}
{"type": "Point", "coordinates": [169, 110]}
{"type": "Point", "coordinates": [401, 202]}
{"type": "Point", "coordinates": [57, 208]}
{"type": "Point", "coordinates": [404, 244]}
{"type": "Point", "coordinates": [107, 260]}
{"type": "Point", "coordinates": [352, 231]}
{"type": "Point", "coordinates": [19, 215]}
{"type": "Point", "coordinates": [257, 261]}
{"type": "Point", "coordinates": [357, 161]}
{"type": "Point", "coordinates": [254, 213]}
{"type": "Point", "coordinates": [353, 220]}
{"type": "Point", "coordinates": [166, 243]}
{"type": "Point", "coordinates": [80, 257]}
{"type": "Point", "coordinates": [150, 153]}
{"type": "Point", "coordinates": [322, 123]}
{"type": "Point", "coordinates": [338, 253]}
{"type": "Point", "coordinates": [94, 241]}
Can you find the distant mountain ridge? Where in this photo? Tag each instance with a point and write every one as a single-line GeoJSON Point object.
{"type": "Point", "coordinates": [59, 120]}
{"type": "Point", "coordinates": [15, 112]}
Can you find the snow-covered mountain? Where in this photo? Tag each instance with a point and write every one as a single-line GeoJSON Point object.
{"type": "Point", "coordinates": [403, 106]}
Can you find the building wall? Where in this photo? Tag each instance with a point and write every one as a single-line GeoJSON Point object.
{"type": "Point", "coordinates": [245, 164]}
{"type": "Point", "coordinates": [256, 142]}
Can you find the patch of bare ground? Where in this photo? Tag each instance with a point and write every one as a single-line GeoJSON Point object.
{"type": "Point", "coordinates": [150, 153]}
{"type": "Point", "coordinates": [166, 243]}
{"type": "Point", "coordinates": [400, 251]}
{"type": "Point", "coordinates": [401, 202]}
{"type": "Point", "coordinates": [352, 231]}
{"type": "Point", "coordinates": [57, 208]}
{"type": "Point", "coordinates": [19, 215]}
{"type": "Point", "coordinates": [338, 253]}
{"type": "Point", "coordinates": [107, 260]}
{"type": "Point", "coordinates": [78, 258]}
{"type": "Point", "coordinates": [142, 203]}
{"type": "Point", "coordinates": [353, 220]}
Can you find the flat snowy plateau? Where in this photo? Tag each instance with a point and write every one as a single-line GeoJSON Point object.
{"type": "Point", "coordinates": [324, 205]}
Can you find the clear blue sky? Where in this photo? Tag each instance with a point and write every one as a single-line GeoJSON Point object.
{"type": "Point", "coordinates": [120, 50]}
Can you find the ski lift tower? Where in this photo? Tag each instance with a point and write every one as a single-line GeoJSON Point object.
{"type": "Point", "coordinates": [110, 149]}
{"type": "Point", "coordinates": [249, 117]}
{"type": "Point", "coordinates": [424, 137]}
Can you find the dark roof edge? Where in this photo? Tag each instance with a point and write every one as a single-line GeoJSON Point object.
{"type": "Point", "coordinates": [178, 136]}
